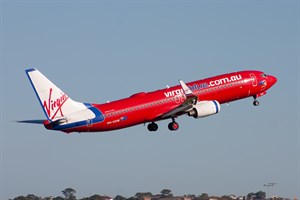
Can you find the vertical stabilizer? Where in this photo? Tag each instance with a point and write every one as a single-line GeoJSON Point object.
{"type": "Point", "coordinates": [55, 103]}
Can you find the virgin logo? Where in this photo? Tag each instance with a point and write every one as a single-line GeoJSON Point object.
{"type": "Point", "coordinates": [53, 106]}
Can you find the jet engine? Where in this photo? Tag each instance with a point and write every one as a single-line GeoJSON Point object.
{"type": "Point", "coordinates": [204, 109]}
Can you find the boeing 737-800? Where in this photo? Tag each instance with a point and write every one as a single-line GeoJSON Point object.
{"type": "Point", "coordinates": [197, 99]}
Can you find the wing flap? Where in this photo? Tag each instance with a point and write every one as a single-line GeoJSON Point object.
{"type": "Point", "coordinates": [177, 111]}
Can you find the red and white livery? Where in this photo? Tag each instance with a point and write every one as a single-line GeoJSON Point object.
{"type": "Point", "coordinates": [197, 99]}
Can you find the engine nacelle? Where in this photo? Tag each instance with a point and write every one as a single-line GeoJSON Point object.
{"type": "Point", "coordinates": [204, 109]}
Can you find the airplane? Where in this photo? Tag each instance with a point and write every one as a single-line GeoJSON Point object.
{"type": "Point", "coordinates": [196, 99]}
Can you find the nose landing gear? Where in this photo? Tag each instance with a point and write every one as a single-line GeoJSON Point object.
{"type": "Point", "coordinates": [255, 102]}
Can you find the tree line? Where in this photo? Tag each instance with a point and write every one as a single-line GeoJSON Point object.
{"type": "Point", "coordinates": [69, 194]}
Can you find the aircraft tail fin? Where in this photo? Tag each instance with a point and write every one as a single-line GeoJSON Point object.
{"type": "Point", "coordinates": [55, 103]}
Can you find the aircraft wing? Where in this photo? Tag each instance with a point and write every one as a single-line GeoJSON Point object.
{"type": "Point", "coordinates": [177, 111]}
{"type": "Point", "coordinates": [191, 99]}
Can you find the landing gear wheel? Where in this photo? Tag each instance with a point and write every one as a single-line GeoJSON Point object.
{"type": "Point", "coordinates": [256, 103]}
{"type": "Point", "coordinates": [152, 126]}
{"type": "Point", "coordinates": [173, 126]}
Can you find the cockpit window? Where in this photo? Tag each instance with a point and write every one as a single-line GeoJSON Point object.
{"type": "Point", "coordinates": [263, 75]}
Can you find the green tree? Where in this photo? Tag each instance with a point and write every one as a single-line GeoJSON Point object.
{"type": "Point", "coordinates": [166, 193]}
{"type": "Point", "coordinates": [119, 197]}
{"type": "Point", "coordinates": [203, 196]}
{"type": "Point", "coordinates": [251, 195]}
{"type": "Point", "coordinates": [141, 195]}
{"type": "Point", "coordinates": [33, 197]}
{"type": "Point", "coordinates": [20, 198]}
{"type": "Point", "coordinates": [69, 193]}
{"type": "Point", "coordinates": [260, 195]}
{"type": "Point", "coordinates": [28, 197]}
{"type": "Point", "coordinates": [94, 197]}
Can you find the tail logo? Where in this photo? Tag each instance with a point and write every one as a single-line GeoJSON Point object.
{"type": "Point", "coordinates": [53, 106]}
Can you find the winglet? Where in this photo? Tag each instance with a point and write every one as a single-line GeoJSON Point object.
{"type": "Point", "coordinates": [186, 89]}
{"type": "Point", "coordinates": [188, 92]}
{"type": "Point", "coordinates": [191, 99]}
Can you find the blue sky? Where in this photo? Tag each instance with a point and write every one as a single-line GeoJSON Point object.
{"type": "Point", "coordinates": [105, 50]}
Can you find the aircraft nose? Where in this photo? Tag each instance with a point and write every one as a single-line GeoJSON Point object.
{"type": "Point", "coordinates": [272, 79]}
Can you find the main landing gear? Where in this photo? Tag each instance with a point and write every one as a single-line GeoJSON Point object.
{"type": "Point", "coordinates": [255, 102]}
{"type": "Point", "coordinates": [152, 126]}
{"type": "Point", "coordinates": [173, 126]}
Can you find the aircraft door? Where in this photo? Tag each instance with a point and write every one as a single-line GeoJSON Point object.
{"type": "Point", "coordinates": [254, 80]}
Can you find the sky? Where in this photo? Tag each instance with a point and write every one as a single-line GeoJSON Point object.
{"type": "Point", "coordinates": [97, 51]}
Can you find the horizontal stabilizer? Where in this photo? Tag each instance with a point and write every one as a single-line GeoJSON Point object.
{"type": "Point", "coordinates": [34, 121]}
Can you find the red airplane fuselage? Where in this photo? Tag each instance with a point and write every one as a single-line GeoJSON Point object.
{"type": "Point", "coordinates": [148, 107]}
